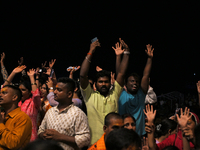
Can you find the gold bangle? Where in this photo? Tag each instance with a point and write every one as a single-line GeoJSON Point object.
{"type": "Point", "coordinates": [33, 84]}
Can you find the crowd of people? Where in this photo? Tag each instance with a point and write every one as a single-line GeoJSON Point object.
{"type": "Point", "coordinates": [114, 113]}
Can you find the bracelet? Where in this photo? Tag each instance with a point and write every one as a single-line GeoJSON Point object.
{"type": "Point", "coordinates": [8, 81]}
{"type": "Point", "coordinates": [36, 79]}
{"type": "Point", "coordinates": [33, 84]}
{"type": "Point", "coordinates": [126, 52]}
{"type": "Point", "coordinates": [89, 54]}
{"type": "Point", "coordinates": [51, 88]}
{"type": "Point", "coordinates": [87, 59]}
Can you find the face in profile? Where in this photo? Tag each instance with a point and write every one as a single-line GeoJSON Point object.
{"type": "Point", "coordinates": [103, 85]}
{"type": "Point", "coordinates": [129, 123]}
{"type": "Point", "coordinates": [132, 85]}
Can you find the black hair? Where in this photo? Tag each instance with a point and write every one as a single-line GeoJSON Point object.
{"type": "Point", "coordinates": [124, 116]}
{"type": "Point", "coordinates": [121, 139]}
{"type": "Point", "coordinates": [197, 136]}
{"type": "Point", "coordinates": [103, 73]}
{"type": "Point", "coordinates": [170, 148]}
{"type": "Point", "coordinates": [134, 75]}
{"type": "Point", "coordinates": [43, 145]}
{"type": "Point", "coordinates": [109, 116]}
{"type": "Point", "coordinates": [164, 126]}
{"type": "Point", "coordinates": [18, 92]}
{"type": "Point", "coordinates": [25, 81]}
{"type": "Point", "coordinates": [70, 83]}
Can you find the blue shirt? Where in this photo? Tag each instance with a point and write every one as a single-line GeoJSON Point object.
{"type": "Point", "coordinates": [134, 105]}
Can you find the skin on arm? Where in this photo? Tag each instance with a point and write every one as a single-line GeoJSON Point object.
{"type": "Point", "coordinates": [31, 73]}
{"type": "Point", "coordinates": [150, 114]}
{"type": "Point", "coordinates": [73, 70]}
{"type": "Point", "coordinates": [147, 69]}
{"type": "Point", "coordinates": [198, 90]}
{"type": "Point", "coordinates": [13, 73]}
{"type": "Point", "coordinates": [118, 51]}
{"type": "Point", "coordinates": [86, 65]}
{"type": "Point", "coordinates": [124, 64]}
{"type": "Point", "coordinates": [182, 121]}
{"type": "Point", "coordinates": [21, 62]}
{"type": "Point", "coordinates": [3, 69]}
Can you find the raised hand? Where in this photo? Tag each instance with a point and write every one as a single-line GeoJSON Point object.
{"type": "Point", "coordinates": [2, 57]}
{"type": "Point", "coordinates": [118, 48]}
{"type": "Point", "coordinates": [198, 87]}
{"type": "Point", "coordinates": [94, 45]}
{"type": "Point", "coordinates": [145, 145]}
{"type": "Point", "coordinates": [19, 69]}
{"type": "Point", "coordinates": [21, 61]}
{"type": "Point", "coordinates": [74, 69]}
{"type": "Point", "coordinates": [124, 44]}
{"type": "Point", "coordinates": [51, 63]}
{"type": "Point", "coordinates": [44, 65]}
{"type": "Point", "coordinates": [183, 119]}
{"type": "Point", "coordinates": [31, 72]}
{"type": "Point", "coordinates": [149, 50]}
{"type": "Point", "coordinates": [98, 69]}
{"type": "Point", "coordinates": [150, 113]}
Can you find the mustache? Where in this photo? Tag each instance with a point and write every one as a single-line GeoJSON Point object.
{"type": "Point", "coordinates": [103, 87]}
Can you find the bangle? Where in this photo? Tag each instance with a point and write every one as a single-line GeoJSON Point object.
{"type": "Point", "coordinates": [89, 54]}
{"type": "Point", "coordinates": [87, 59]}
{"type": "Point", "coordinates": [51, 88]}
{"type": "Point", "coordinates": [8, 81]}
{"type": "Point", "coordinates": [126, 52]}
{"type": "Point", "coordinates": [33, 84]}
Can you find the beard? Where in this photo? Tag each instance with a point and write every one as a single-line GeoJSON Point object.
{"type": "Point", "coordinates": [103, 90]}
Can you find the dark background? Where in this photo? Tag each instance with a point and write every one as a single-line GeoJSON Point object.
{"type": "Point", "coordinates": [41, 31]}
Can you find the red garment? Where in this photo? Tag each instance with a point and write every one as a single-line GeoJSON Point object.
{"type": "Point", "coordinates": [31, 107]}
{"type": "Point", "coordinates": [170, 141]}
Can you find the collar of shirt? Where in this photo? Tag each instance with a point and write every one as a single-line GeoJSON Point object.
{"type": "Point", "coordinates": [64, 110]}
{"type": "Point", "coordinates": [13, 113]}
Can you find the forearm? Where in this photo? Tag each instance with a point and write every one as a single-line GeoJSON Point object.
{"type": "Point", "coordinates": [33, 83]}
{"type": "Point", "coordinates": [4, 72]}
{"type": "Point", "coordinates": [51, 100]}
{"type": "Point", "coordinates": [147, 68]}
{"type": "Point", "coordinates": [71, 75]}
{"type": "Point", "coordinates": [118, 62]}
{"type": "Point", "coordinates": [9, 79]}
{"type": "Point", "coordinates": [84, 71]}
{"type": "Point", "coordinates": [69, 140]}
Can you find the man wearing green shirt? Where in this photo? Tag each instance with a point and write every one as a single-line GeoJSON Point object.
{"type": "Point", "coordinates": [102, 101]}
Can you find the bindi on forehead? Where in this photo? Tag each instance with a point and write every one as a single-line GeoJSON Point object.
{"type": "Point", "coordinates": [4, 90]}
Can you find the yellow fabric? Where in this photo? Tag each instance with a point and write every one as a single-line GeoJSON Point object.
{"type": "Point", "coordinates": [98, 107]}
{"type": "Point", "coordinates": [99, 145]}
{"type": "Point", "coordinates": [16, 132]}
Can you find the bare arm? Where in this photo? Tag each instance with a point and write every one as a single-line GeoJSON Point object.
{"type": "Point", "coordinates": [13, 73]}
{"type": "Point", "coordinates": [150, 117]}
{"type": "Point", "coordinates": [86, 65]}
{"type": "Point", "coordinates": [72, 71]}
{"type": "Point", "coordinates": [147, 69]}
{"type": "Point", "coordinates": [124, 64]}
{"type": "Point", "coordinates": [3, 68]}
{"type": "Point", "coordinates": [31, 73]}
{"type": "Point", "coordinates": [198, 90]}
{"type": "Point", "coordinates": [118, 51]}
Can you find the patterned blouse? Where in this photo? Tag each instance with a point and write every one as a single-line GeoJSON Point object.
{"type": "Point", "coordinates": [31, 107]}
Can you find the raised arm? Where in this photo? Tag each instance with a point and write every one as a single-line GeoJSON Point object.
{"type": "Point", "coordinates": [3, 68]}
{"type": "Point", "coordinates": [124, 64]}
{"type": "Point", "coordinates": [182, 121]}
{"type": "Point", "coordinates": [72, 71]}
{"type": "Point", "coordinates": [147, 69]}
{"type": "Point", "coordinates": [21, 62]}
{"type": "Point", "coordinates": [198, 90]}
{"type": "Point", "coordinates": [13, 73]}
{"type": "Point", "coordinates": [150, 114]}
{"type": "Point", "coordinates": [86, 65]}
{"type": "Point", "coordinates": [31, 73]}
{"type": "Point", "coordinates": [118, 51]}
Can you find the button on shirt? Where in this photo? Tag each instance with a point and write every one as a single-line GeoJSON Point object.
{"type": "Point", "coordinates": [72, 121]}
{"type": "Point", "coordinates": [98, 107]}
